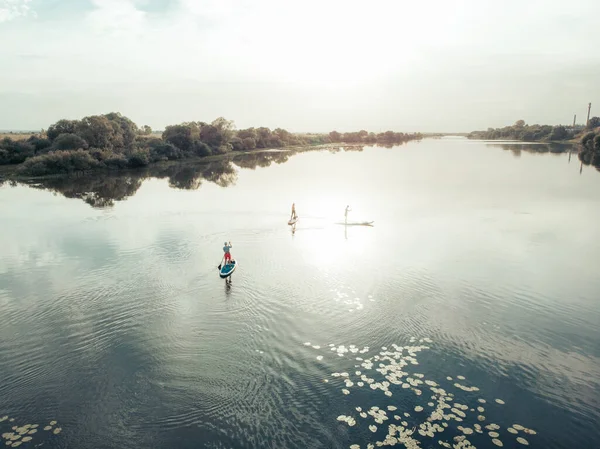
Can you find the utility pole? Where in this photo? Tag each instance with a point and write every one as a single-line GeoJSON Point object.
{"type": "Point", "coordinates": [574, 119]}
{"type": "Point", "coordinates": [588, 118]}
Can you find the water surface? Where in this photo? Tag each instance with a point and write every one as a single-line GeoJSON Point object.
{"type": "Point", "coordinates": [479, 277]}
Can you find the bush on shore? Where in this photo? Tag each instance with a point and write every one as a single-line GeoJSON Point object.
{"type": "Point", "coordinates": [59, 162]}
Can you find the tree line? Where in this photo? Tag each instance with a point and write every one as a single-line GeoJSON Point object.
{"type": "Point", "coordinates": [113, 141]}
{"type": "Point", "coordinates": [534, 133]}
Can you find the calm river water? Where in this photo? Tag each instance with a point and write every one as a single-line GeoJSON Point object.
{"type": "Point", "coordinates": [471, 308]}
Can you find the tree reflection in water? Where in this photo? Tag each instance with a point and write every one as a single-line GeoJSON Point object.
{"type": "Point", "coordinates": [103, 189]}
{"type": "Point", "coordinates": [588, 157]}
{"type": "Point", "coordinates": [585, 155]}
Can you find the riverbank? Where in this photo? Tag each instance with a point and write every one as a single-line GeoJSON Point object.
{"type": "Point", "coordinates": [11, 172]}
{"type": "Point", "coordinates": [523, 132]}
{"type": "Point", "coordinates": [112, 141]}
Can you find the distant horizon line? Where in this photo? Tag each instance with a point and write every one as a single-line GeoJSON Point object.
{"type": "Point", "coordinates": [154, 131]}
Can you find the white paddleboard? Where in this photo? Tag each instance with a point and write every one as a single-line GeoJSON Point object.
{"type": "Point", "coordinates": [364, 223]}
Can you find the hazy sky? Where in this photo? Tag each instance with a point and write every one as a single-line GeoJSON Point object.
{"type": "Point", "coordinates": [431, 65]}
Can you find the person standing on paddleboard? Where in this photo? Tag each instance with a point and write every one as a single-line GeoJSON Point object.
{"type": "Point", "coordinates": [226, 248]}
{"type": "Point", "coordinates": [293, 216]}
{"type": "Point", "coordinates": [346, 214]}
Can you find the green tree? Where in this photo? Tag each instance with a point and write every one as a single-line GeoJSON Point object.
{"type": "Point", "coordinates": [125, 132]}
{"type": "Point", "coordinates": [97, 131]}
{"type": "Point", "coordinates": [201, 149]}
{"type": "Point", "coordinates": [283, 136]}
{"type": "Point", "coordinates": [165, 150]}
{"type": "Point", "coordinates": [40, 144]}
{"type": "Point", "coordinates": [226, 128]}
{"type": "Point", "coordinates": [245, 133]}
{"type": "Point", "coordinates": [588, 140]}
{"type": "Point", "coordinates": [593, 123]}
{"type": "Point", "coordinates": [69, 142]}
{"type": "Point", "coordinates": [15, 151]}
{"type": "Point", "coordinates": [237, 144]}
{"type": "Point", "coordinates": [263, 136]}
{"type": "Point", "coordinates": [61, 127]}
{"type": "Point", "coordinates": [559, 133]}
{"type": "Point", "coordinates": [146, 130]}
{"type": "Point", "coordinates": [249, 143]}
{"type": "Point", "coordinates": [334, 136]}
{"type": "Point", "coordinates": [211, 136]}
{"type": "Point", "coordinates": [389, 136]}
{"type": "Point", "coordinates": [138, 159]}
{"type": "Point", "coordinates": [182, 136]}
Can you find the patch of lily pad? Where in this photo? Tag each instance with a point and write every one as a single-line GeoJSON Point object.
{"type": "Point", "coordinates": [389, 372]}
{"type": "Point", "coordinates": [22, 434]}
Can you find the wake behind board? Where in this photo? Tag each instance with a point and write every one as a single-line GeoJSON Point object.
{"type": "Point", "coordinates": [228, 269]}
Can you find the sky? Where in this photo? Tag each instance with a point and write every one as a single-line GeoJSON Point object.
{"type": "Point", "coordinates": [310, 66]}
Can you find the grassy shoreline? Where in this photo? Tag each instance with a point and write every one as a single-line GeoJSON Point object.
{"type": "Point", "coordinates": [10, 172]}
{"type": "Point", "coordinates": [538, 142]}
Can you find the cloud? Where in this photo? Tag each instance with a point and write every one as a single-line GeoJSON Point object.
{"type": "Point", "coordinates": [392, 63]}
{"type": "Point", "coordinates": [13, 9]}
{"type": "Point", "coordinates": [116, 18]}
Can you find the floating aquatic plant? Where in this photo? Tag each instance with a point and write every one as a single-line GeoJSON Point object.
{"type": "Point", "coordinates": [389, 371]}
